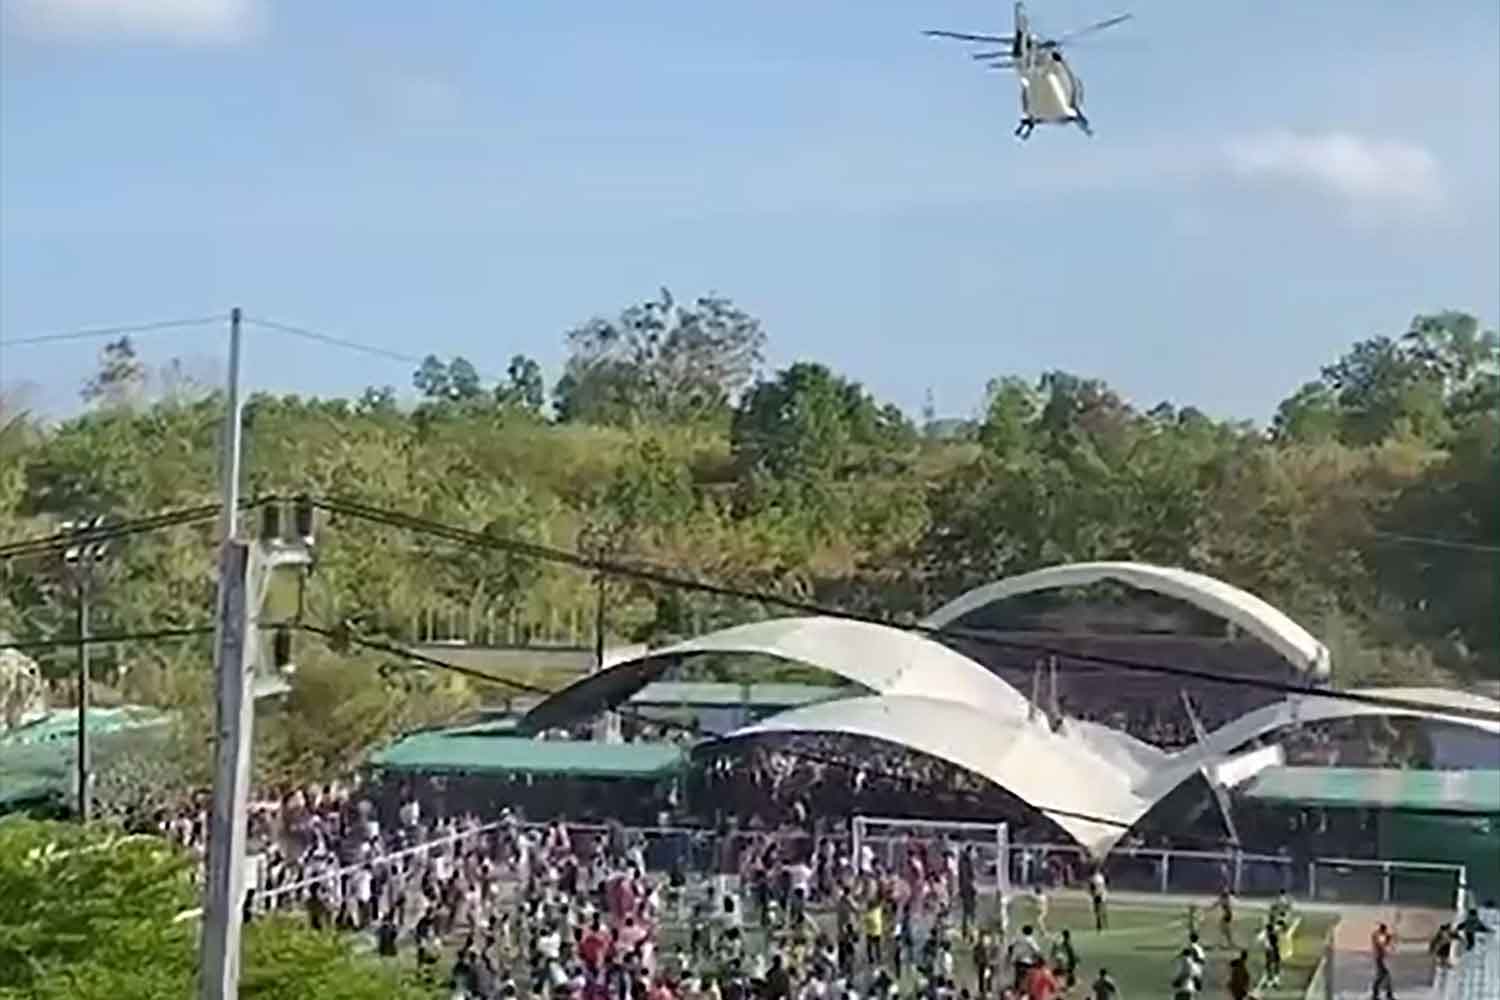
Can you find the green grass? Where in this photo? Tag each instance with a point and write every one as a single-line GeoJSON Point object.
{"type": "Point", "coordinates": [1143, 941]}
{"type": "Point", "coordinates": [1139, 948]}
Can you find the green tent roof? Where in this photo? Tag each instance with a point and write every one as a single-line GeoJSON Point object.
{"type": "Point", "coordinates": [1476, 792]}
{"type": "Point", "coordinates": [476, 750]}
{"type": "Point", "coordinates": [36, 760]}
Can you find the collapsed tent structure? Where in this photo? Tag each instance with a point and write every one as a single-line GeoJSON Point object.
{"type": "Point", "coordinates": [1092, 780]}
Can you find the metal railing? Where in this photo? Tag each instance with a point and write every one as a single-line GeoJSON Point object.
{"type": "Point", "coordinates": [1408, 883]}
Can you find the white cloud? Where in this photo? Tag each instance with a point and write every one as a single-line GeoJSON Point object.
{"type": "Point", "coordinates": [1367, 173]}
{"type": "Point", "coordinates": [177, 22]}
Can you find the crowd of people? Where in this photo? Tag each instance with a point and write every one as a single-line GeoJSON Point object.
{"type": "Point", "coordinates": [505, 908]}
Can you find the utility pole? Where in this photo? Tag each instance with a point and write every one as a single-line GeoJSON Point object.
{"type": "Point", "coordinates": [81, 559]}
{"type": "Point", "coordinates": [85, 793]}
{"type": "Point", "coordinates": [219, 957]}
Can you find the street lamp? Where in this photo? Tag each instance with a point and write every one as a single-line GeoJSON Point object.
{"type": "Point", "coordinates": [81, 558]}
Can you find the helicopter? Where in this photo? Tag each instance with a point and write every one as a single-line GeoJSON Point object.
{"type": "Point", "coordinates": [1051, 93]}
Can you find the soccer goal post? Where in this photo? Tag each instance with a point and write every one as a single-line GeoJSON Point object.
{"type": "Point", "coordinates": [887, 840]}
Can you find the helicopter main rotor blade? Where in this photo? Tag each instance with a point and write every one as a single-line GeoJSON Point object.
{"type": "Point", "coordinates": [1073, 36]}
{"type": "Point", "coordinates": [981, 56]}
{"type": "Point", "coordinates": [968, 38]}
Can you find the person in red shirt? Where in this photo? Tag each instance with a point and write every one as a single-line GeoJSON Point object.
{"type": "Point", "coordinates": [594, 945]}
{"type": "Point", "coordinates": [1041, 984]}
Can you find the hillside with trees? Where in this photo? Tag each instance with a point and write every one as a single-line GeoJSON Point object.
{"type": "Point", "coordinates": [1366, 508]}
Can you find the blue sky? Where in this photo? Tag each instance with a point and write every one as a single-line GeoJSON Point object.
{"type": "Point", "coordinates": [1269, 182]}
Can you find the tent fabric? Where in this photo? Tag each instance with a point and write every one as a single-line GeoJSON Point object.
{"type": "Point", "coordinates": [62, 724]}
{"type": "Point", "coordinates": [1312, 708]}
{"type": "Point", "coordinates": [1243, 609]}
{"type": "Point", "coordinates": [878, 658]}
{"type": "Point", "coordinates": [1476, 792]}
{"type": "Point", "coordinates": [472, 751]}
{"type": "Point", "coordinates": [1050, 771]}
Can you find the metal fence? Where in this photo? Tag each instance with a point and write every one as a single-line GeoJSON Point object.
{"type": "Point", "coordinates": [704, 855]}
{"type": "Point", "coordinates": [1403, 883]}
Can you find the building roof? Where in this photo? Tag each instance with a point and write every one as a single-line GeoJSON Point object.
{"type": "Point", "coordinates": [1474, 792]}
{"type": "Point", "coordinates": [479, 750]}
{"type": "Point", "coordinates": [715, 694]}
{"type": "Point", "coordinates": [1268, 624]}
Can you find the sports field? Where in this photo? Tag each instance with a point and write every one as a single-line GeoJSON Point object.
{"type": "Point", "coordinates": [1143, 941]}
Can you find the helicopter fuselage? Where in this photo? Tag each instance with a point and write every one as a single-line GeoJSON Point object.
{"type": "Point", "coordinates": [1050, 92]}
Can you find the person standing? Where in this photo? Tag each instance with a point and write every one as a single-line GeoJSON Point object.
{"type": "Point", "coordinates": [1382, 946]}
{"type": "Point", "coordinates": [1226, 917]}
{"type": "Point", "coordinates": [1105, 988]}
{"type": "Point", "coordinates": [1239, 977]}
{"type": "Point", "coordinates": [1098, 891]}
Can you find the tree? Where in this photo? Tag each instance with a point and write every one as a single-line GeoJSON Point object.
{"type": "Point", "coordinates": [88, 914]}
{"type": "Point", "coordinates": [455, 381]}
{"type": "Point", "coordinates": [1382, 390]}
{"type": "Point", "coordinates": [1311, 415]}
{"type": "Point", "coordinates": [1010, 417]}
{"type": "Point", "coordinates": [660, 360]}
{"type": "Point", "coordinates": [1449, 587]}
{"type": "Point", "coordinates": [121, 378]}
{"type": "Point", "coordinates": [803, 423]}
{"type": "Point", "coordinates": [524, 387]}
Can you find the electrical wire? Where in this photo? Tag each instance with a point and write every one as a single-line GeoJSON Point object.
{"type": "Point", "coordinates": [109, 638]}
{"type": "Point", "coordinates": [113, 331]}
{"type": "Point", "coordinates": [1456, 544]}
{"type": "Point", "coordinates": [122, 529]}
{"type": "Point", "coordinates": [985, 637]}
{"type": "Point", "coordinates": [332, 341]}
{"type": "Point", "coordinates": [348, 344]}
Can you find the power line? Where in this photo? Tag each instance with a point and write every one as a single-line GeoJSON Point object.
{"type": "Point", "coordinates": [113, 331]}
{"type": "Point", "coordinates": [665, 578]}
{"type": "Point", "coordinates": [349, 344]}
{"type": "Point", "coordinates": [119, 529]}
{"type": "Point", "coordinates": [109, 638]}
{"type": "Point", "coordinates": [1457, 544]}
{"type": "Point", "coordinates": [986, 637]}
{"type": "Point", "coordinates": [332, 341]}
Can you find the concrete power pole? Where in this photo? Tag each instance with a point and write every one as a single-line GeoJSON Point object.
{"type": "Point", "coordinates": [81, 560]}
{"type": "Point", "coordinates": [224, 886]}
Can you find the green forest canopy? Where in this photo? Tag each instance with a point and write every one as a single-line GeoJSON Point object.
{"type": "Point", "coordinates": [665, 442]}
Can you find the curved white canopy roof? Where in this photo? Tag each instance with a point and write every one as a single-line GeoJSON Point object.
{"type": "Point", "coordinates": [1266, 623]}
{"type": "Point", "coordinates": [884, 659]}
{"type": "Point", "coordinates": [1047, 770]}
{"type": "Point", "coordinates": [940, 702]}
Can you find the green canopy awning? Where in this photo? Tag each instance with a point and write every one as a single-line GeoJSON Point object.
{"type": "Point", "coordinates": [1472, 792]}
{"type": "Point", "coordinates": [475, 750]}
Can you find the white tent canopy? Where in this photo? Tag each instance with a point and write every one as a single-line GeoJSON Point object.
{"type": "Point", "coordinates": [1052, 772]}
{"type": "Point", "coordinates": [1243, 609]}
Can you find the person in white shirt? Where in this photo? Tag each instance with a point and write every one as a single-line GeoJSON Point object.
{"type": "Point", "coordinates": [1187, 976]}
{"type": "Point", "coordinates": [1098, 895]}
{"type": "Point", "coordinates": [363, 881]}
{"type": "Point", "coordinates": [1025, 952]}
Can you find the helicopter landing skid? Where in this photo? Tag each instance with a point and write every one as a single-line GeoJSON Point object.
{"type": "Point", "coordinates": [1023, 130]}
